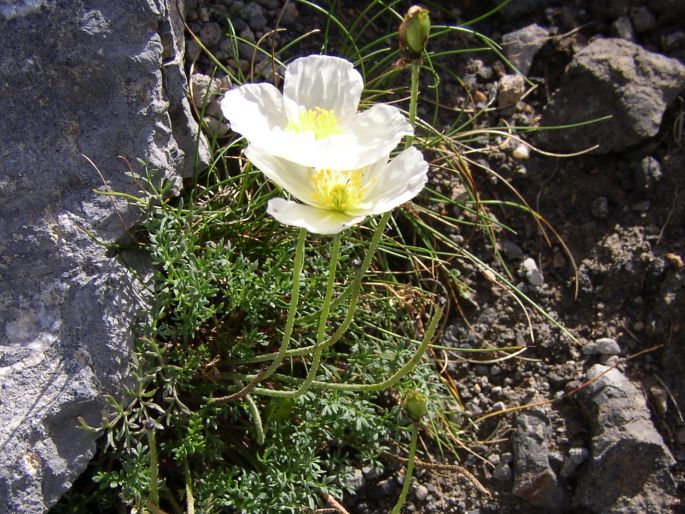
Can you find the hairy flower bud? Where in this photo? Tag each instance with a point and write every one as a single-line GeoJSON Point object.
{"type": "Point", "coordinates": [415, 405]}
{"type": "Point", "coordinates": [414, 32]}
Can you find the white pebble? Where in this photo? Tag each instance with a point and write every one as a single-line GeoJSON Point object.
{"type": "Point", "coordinates": [521, 152]}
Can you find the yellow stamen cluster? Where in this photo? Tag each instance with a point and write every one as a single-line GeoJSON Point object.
{"type": "Point", "coordinates": [320, 122]}
{"type": "Point", "coordinates": [337, 190]}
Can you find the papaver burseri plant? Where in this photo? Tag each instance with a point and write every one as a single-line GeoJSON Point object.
{"type": "Point", "coordinates": [315, 121]}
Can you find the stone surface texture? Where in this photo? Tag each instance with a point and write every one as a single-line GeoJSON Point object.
{"type": "Point", "coordinates": [534, 479]}
{"type": "Point", "coordinates": [615, 78]}
{"type": "Point", "coordinates": [520, 46]}
{"type": "Point", "coordinates": [82, 78]}
{"type": "Point", "coordinates": [629, 467]}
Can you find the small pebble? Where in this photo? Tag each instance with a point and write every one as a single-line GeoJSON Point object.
{"type": "Point", "coordinates": [499, 406]}
{"type": "Point", "coordinates": [530, 270]}
{"type": "Point", "coordinates": [602, 346]}
{"type": "Point", "coordinates": [659, 398]}
{"type": "Point", "coordinates": [643, 19]}
{"type": "Point", "coordinates": [623, 28]}
{"type": "Point", "coordinates": [421, 493]}
{"type": "Point", "coordinates": [600, 208]}
{"type": "Point", "coordinates": [502, 472]}
{"type": "Point", "coordinates": [575, 457]}
{"type": "Point", "coordinates": [511, 89]}
{"type": "Point", "coordinates": [521, 152]}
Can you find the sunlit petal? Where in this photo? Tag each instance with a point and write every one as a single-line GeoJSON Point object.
{"type": "Point", "coordinates": [322, 82]}
{"type": "Point", "coordinates": [376, 132]}
{"type": "Point", "coordinates": [403, 178]}
{"type": "Point", "coordinates": [313, 219]}
{"type": "Point", "coordinates": [292, 177]}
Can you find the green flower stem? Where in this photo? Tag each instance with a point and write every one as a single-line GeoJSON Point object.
{"type": "Point", "coordinates": [256, 419]}
{"type": "Point", "coordinates": [410, 469]}
{"type": "Point", "coordinates": [290, 323]}
{"type": "Point", "coordinates": [378, 386]}
{"type": "Point", "coordinates": [349, 316]}
{"type": "Point", "coordinates": [190, 498]}
{"type": "Point", "coordinates": [413, 99]}
{"type": "Point", "coordinates": [323, 320]}
{"type": "Point", "coordinates": [152, 442]}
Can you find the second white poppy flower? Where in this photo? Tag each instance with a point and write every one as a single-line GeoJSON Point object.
{"type": "Point", "coordinates": [333, 200]}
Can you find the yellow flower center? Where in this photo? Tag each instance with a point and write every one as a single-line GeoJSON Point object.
{"type": "Point", "coordinates": [337, 190]}
{"type": "Point", "coordinates": [320, 122]}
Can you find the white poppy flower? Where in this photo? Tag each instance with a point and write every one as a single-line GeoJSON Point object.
{"type": "Point", "coordinates": [315, 121]}
{"type": "Point", "coordinates": [333, 200]}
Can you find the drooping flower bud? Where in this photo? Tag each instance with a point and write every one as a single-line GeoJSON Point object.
{"type": "Point", "coordinates": [415, 405]}
{"type": "Point", "coordinates": [414, 32]}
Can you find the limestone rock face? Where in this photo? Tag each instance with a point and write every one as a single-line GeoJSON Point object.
{"type": "Point", "coordinates": [91, 78]}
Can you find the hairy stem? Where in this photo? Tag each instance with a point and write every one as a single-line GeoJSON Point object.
{"type": "Point", "coordinates": [410, 469]}
{"type": "Point", "coordinates": [190, 499]}
{"type": "Point", "coordinates": [256, 419]}
{"type": "Point", "coordinates": [413, 99]}
{"type": "Point", "coordinates": [321, 332]}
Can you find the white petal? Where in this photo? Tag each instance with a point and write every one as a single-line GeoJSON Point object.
{"type": "Point", "coordinates": [377, 131]}
{"type": "Point", "coordinates": [403, 178]}
{"type": "Point", "coordinates": [322, 81]}
{"type": "Point", "coordinates": [313, 219]}
{"type": "Point", "coordinates": [292, 177]}
{"type": "Point", "coordinates": [367, 138]}
{"type": "Point", "coordinates": [255, 111]}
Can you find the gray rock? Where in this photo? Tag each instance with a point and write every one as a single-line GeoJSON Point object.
{"type": "Point", "coordinates": [530, 270]}
{"type": "Point", "coordinates": [643, 19]}
{"type": "Point", "coordinates": [95, 79]}
{"type": "Point", "coordinates": [510, 249]}
{"type": "Point", "coordinates": [205, 95]}
{"type": "Point", "coordinates": [521, 45]}
{"type": "Point", "coordinates": [356, 480]}
{"type": "Point", "coordinates": [629, 466]}
{"type": "Point", "coordinates": [421, 493]}
{"type": "Point", "coordinates": [511, 89]}
{"type": "Point", "coordinates": [534, 479]}
{"type": "Point", "coordinates": [600, 208]}
{"type": "Point", "coordinates": [383, 489]}
{"type": "Point", "coordinates": [290, 14]}
{"type": "Point", "coordinates": [602, 346]}
{"type": "Point", "coordinates": [211, 34]}
{"type": "Point", "coordinates": [623, 28]}
{"type": "Point", "coordinates": [502, 472]}
{"type": "Point", "coordinates": [647, 173]}
{"type": "Point", "coordinates": [611, 77]}
{"type": "Point", "coordinates": [254, 15]}
{"type": "Point", "coordinates": [575, 457]}
{"type": "Point", "coordinates": [674, 39]}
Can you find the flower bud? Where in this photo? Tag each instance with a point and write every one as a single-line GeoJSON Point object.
{"type": "Point", "coordinates": [415, 405]}
{"type": "Point", "coordinates": [414, 32]}
{"type": "Point", "coordinates": [279, 409]}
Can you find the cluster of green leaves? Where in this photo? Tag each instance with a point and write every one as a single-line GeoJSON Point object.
{"type": "Point", "coordinates": [223, 276]}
